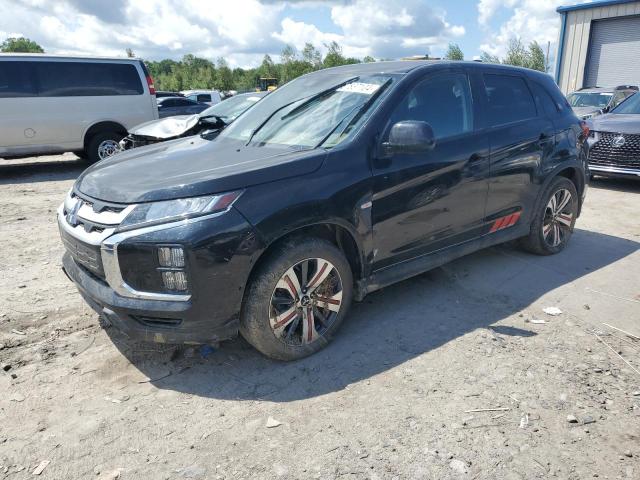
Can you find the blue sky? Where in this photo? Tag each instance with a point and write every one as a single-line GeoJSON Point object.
{"type": "Point", "coordinates": [242, 31]}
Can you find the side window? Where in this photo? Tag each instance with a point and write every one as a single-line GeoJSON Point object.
{"type": "Point", "coordinates": [16, 80]}
{"type": "Point", "coordinates": [543, 98]}
{"type": "Point", "coordinates": [443, 101]}
{"type": "Point", "coordinates": [617, 99]}
{"type": "Point", "coordinates": [192, 97]}
{"type": "Point", "coordinates": [183, 102]}
{"type": "Point", "coordinates": [170, 102]}
{"type": "Point", "coordinates": [74, 79]}
{"type": "Point", "coordinates": [204, 98]}
{"type": "Point", "coordinates": [509, 99]}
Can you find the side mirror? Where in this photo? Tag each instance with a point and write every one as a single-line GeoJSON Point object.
{"type": "Point", "coordinates": [606, 109]}
{"type": "Point", "coordinates": [410, 136]}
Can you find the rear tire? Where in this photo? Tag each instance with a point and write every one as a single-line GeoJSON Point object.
{"type": "Point", "coordinates": [103, 145]}
{"type": "Point", "coordinates": [291, 310]}
{"type": "Point", "coordinates": [553, 223]}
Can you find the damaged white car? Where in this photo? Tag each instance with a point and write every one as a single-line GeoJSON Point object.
{"type": "Point", "coordinates": [209, 123]}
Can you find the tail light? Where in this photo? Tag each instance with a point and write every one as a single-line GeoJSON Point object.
{"type": "Point", "coordinates": [152, 88]}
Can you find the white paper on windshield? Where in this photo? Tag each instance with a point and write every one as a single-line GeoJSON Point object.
{"type": "Point", "coordinates": [360, 87]}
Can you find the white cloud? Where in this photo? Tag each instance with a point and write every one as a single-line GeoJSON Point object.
{"type": "Point", "coordinates": [530, 20]}
{"type": "Point", "coordinates": [487, 8]}
{"type": "Point", "coordinates": [240, 30]}
{"type": "Point", "coordinates": [393, 29]}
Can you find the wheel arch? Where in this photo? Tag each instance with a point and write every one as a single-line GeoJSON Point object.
{"type": "Point", "coordinates": [336, 233]}
{"type": "Point", "coordinates": [571, 172]}
{"type": "Point", "coordinates": [104, 126]}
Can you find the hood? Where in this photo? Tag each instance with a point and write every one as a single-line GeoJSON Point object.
{"type": "Point", "coordinates": [616, 123]}
{"type": "Point", "coordinates": [166, 127]}
{"type": "Point", "coordinates": [189, 167]}
{"type": "Point", "coordinates": [582, 111]}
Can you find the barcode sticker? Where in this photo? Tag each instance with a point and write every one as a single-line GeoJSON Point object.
{"type": "Point", "coordinates": [359, 87]}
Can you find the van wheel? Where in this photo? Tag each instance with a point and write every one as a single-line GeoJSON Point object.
{"type": "Point", "coordinates": [553, 224]}
{"type": "Point", "coordinates": [103, 145]}
{"type": "Point", "coordinates": [297, 300]}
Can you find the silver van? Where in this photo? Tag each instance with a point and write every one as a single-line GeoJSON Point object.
{"type": "Point", "coordinates": [53, 104]}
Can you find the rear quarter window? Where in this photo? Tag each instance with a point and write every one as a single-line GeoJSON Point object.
{"type": "Point", "coordinates": [204, 98]}
{"type": "Point", "coordinates": [76, 79]}
{"type": "Point", "coordinates": [509, 99]}
{"type": "Point", "coordinates": [544, 98]}
{"type": "Point", "coordinates": [16, 80]}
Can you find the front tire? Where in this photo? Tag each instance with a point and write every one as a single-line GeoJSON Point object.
{"type": "Point", "coordinates": [297, 299]}
{"type": "Point", "coordinates": [553, 223]}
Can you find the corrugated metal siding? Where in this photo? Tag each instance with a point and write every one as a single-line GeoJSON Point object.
{"type": "Point", "coordinates": [576, 41]}
{"type": "Point", "coordinates": [614, 52]}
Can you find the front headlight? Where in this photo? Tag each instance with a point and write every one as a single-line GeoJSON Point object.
{"type": "Point", "coordinates": [154, 213]}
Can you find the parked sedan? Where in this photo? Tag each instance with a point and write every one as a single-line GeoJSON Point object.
{"type": "Point", "coordinates": [208, 123]}
{"type": "Point", "coordinates": [614, 141]}
{"type": "Point", "coordinates": [170, 106]}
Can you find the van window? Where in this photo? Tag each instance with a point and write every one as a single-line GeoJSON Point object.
{"type": "Point", "coordinates": [443, 101]}
{"type": "Point", "coordinates": [509, 99]}
{"type": "Point", "coordinates": [16, 80]}
{"type": "Point", "coordinates": [204, 98]}
{"type": "Point", "coordinates": [74, 79]}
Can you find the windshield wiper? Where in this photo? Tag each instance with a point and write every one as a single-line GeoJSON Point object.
{"type": "Point", "coordinates": [357, 108]}
{"type": "Point", "coordinates": [306, 102]}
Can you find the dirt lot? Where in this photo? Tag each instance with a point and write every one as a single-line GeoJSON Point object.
{"type": "Point", "coordinates": [390, 398]}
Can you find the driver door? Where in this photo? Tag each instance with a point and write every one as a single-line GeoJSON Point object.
{"type": "Point", "coordinates": [426, 201]}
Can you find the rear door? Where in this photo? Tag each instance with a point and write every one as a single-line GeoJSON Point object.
{"type": "Point", "coordinates": [521, 136]}
{"type": "Point", "coordinates": [427, 201]}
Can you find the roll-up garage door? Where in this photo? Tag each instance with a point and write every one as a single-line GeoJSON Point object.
{"type": "Point", "coordinates": [614, 53]}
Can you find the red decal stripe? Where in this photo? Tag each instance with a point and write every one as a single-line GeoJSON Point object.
{"type": "Point", "coordinates": [504, 222]}
{"type": "Point", "coordinates": [514, 218]}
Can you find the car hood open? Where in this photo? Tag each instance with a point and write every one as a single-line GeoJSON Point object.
{"type": "Point", "coordinates": [166, 127]}
{"type": "Point", "coordinates": [192, 166]}
{"type": "Point", "coordinates": [616, 123]}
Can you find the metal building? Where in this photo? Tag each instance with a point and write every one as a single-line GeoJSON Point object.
{"type": "Point", "coordinates": [599, 45]}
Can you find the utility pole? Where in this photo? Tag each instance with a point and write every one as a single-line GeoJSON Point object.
{"type": "Point", "coordinates": [546, 61]}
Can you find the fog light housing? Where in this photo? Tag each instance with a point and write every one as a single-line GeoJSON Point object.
{"type": "Point", "coordinates": [171, 257]}
{"type": "Point", "coordinates": [175, 280]}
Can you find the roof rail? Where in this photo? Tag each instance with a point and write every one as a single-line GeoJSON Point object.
{"type": "Point", "coordinates": [627, 87]}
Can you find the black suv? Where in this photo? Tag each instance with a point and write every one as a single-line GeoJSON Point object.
{"type": "Point", "coordinates": [337, 184]}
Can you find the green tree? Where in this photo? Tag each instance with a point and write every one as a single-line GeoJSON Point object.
{"type": "Point", "coordinates": [368, 59]}
{"type": "Point", "coordinates": [312, 55]}
{"type": "Point", "coordinates": [454, 52]}
{"type": "Point", "coordinates": [334, 56]}
{"type": "Point", "coordinates": [536, 60]}
{"type": "Point", "coordinates": [488, 58]}
{"type": "Point", "coordinates": [20, 45]}
{"type": "Point", "coordinates": [516, 54]}
{"type": "Point", "coordinates": [267, 67]}
{"type": "Point", "coordinates": [130, 53]}
{"type": "Point", "coordinates": [224, 76]}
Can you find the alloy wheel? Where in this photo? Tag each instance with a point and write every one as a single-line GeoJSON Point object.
{"type": "Point", "coordinates": [306, 301]}
{"type": "Point", "coordinates": [558, 217]}
{"type": "Point", "coordinates": [107, 148]}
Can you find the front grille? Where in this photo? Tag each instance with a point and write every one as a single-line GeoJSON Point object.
{"type": "Point", "coordinates": [84, 254]}
{"type": "Point", "coordinates": [605, 153]}
{"type": "Point", "coordinates": [92, 215]}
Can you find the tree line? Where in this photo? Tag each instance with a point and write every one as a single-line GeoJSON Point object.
{"type": "Point", "coordinates": [192, 72]}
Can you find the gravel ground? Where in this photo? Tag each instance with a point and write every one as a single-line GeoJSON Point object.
{"type": "Point", "coordinates": [392, 397]}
